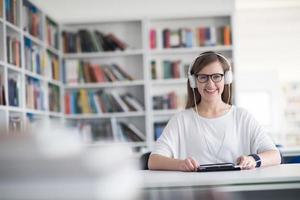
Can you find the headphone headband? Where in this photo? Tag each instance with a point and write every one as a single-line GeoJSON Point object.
{"type": "Point", "coordinates": [227, 76]}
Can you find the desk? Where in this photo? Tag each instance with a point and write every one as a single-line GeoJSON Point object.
{"type": "Point", "coordinates": [284, 178]}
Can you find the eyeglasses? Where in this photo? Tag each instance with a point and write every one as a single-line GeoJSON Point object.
{"type": "Point", "coordinates": [203, 78]}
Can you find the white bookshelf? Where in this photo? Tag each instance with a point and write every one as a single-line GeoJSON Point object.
{"type": "Point", "coordinates": [7, 69]}
{"type": "Point", "coordinates": [135, 60]}
{"type": "Point", "coordinates": [139, 55]}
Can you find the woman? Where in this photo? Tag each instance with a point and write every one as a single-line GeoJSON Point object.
{"type": "Point", "coordinates": [211, 130]}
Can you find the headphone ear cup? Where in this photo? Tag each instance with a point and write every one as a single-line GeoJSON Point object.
{"type": "Point", "coordinates": [192, 81]}
{"type": "Point", "coordinates": [228, 77]}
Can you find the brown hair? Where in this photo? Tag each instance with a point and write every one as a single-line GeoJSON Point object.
{"type": "Point", "coordinates": [200, 62]}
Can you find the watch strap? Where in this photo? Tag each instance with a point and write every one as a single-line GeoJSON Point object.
{"type": "Point", "coordinates": [257, 159]}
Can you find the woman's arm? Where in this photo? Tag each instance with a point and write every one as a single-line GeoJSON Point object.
{"type": "Point", "coordinates": [268, 158]}
{"type": "Point", "coordinates": [158, 162]}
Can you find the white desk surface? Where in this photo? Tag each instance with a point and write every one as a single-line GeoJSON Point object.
{"type": "Point", "coordinates": [274, 177]}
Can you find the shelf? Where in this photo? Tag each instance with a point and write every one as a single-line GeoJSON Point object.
{"type": "Point", "coordinates": [191, 50]}
{"type": "Point", "coordinates": [105, 85]}
{"type": "Point", "coordinates": [34, 39]}
{"type": "Point", "coordinates": [14, 67]}
{"type": "Point", "coordinates": [3, 107]}
{"type": "Point", "coordinates": [102, 54]}
{"type": "Point", "coordinates": [36, 112]}
{"type": "Point", "coordinates": [130, 144]}
{"type": "Point", "coordinates": [166, 112]}
{"type": "Point", "coordinates": [15, 109]}
{"type": "Point", "coordinates": [169, 81]}
{"type": "Point", "coordinates": [55, 114]}
{"type": "Point", "coordinates": [53, 50]}
{"type": "Point", "coordinates": [105, 115]}
{"type": "Point", "coordinates": [13, 27]}
{"type": "Point", "coordinates": [42, 78]}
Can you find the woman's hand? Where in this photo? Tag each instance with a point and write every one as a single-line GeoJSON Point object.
{"type": "Point", "coordinates": [188, 165]}
{"type": "Point", "coordinates": [246, 162]}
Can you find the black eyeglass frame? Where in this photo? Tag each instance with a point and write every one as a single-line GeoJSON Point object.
{"type": "Point", "coordinates": [209, 76]}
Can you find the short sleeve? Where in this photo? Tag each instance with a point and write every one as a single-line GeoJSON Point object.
{"type": "Point", "coordinates": [259, 138]}
{"type": "Point", "coordinates": [167, 143]}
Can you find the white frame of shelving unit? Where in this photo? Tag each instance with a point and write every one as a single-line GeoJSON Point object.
{"type": "Point", "coordinates": [146, 53]}
{"type": "Point", "coordinates": [22, 110]}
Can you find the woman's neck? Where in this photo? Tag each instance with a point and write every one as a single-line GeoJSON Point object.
{"type": "Point", "coordinates": [212, 109]}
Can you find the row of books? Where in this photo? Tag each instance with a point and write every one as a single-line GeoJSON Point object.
{"type": "Point", "coordinates": [2, 90]}
{"type": "Point", "coordinates": [91, 41]}
{"type": "Point", "coordinates": [34, 94]}
{"type": "Point", "coordinates": [103, 130]}
{"type": "Point", "coordinates": [13, 50]}
{"type": "Point", "coordinates": [11, 11]}
{"type": "Point", "coordinates": [158, 129]}
{"type": "Point", "coordinates": [168, 69]}
{"type": "Point", "coordinates": [187, 37]}
{"type": "Point", "coordinates": [85, 72]}
{"type": "Point", "coordinates": [32, 19]}
{"type": "Point", "coordinates": [54, 98]}
{"type": "Point", "coordinates": [52, 33]}
{"type": "Point", "coordinates": [92, 131]}
{"type": "Point", "coordinates": [52, 69]}
{"type": "Point", "coordinates": [39, 62]}
{"type": "Point", "coordinates": [13, 89]}
{"type": "Point", "coordinates": [167, 101]}
{"type": "Point", "coordinates": [89, 101]}
{"type": "Point", "coordinates": [34, 57]}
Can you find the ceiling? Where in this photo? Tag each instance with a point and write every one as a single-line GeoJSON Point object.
{"type": "Point", "coordinates": [69, 11]}
{"type": "Point", "coordinates": [94, 10]}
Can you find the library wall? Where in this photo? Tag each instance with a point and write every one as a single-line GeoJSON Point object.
{"type": "Point", "coordinates": [267, 47]}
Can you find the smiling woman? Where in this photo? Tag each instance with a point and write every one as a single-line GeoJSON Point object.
{"type": "Point", "coordinates": [211, 130]}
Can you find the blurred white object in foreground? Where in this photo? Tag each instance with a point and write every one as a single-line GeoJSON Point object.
{"type": "Point", "coordinates": [52, 163]}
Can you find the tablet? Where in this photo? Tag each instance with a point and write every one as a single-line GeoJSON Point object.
{"type": "Point", "coordinates": [218, 167]}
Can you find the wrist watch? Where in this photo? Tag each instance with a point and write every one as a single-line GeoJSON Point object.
{"type": "Point", "coordinates": [257, 159]}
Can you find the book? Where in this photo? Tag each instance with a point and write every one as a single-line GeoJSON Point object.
{"type": "Point", "coordinates": [119, 100]}
{"type": "Point", "coordinates": [153, 70]}
{"type": "Point", "coordinates": [227, 35]}
{"type": "Point", "coordinates": [54, 98]}
{"type": "Point", "coordinates": [52, 33]}
{"type": "Point", "coordinates": [166, 38]}
{"type": "Point", "coordinates": [72, 76]}
{"type": "Point", "coordinates": [117, 42]}
{"type": "Point", "coordinates": [132, 134]}
{"type": "Point", "coordinates": [158, 129]}
{"type": "Point", "coordinates": [67, 102]}
{"type": "Point", "coordinates": [122, 72]}
{"type": "Point", "coordinates": [98, 72]}
{"type": "Point", "coordinates": [2, 90]}
{"type": "Point", "coordinates": [174, 40]}
{"type": "Point", "coordinates": [132, 102]}
{"type": "Point", "coordinates": [152, 40]}
{"type": "Point", "coordinates": [13, 90]}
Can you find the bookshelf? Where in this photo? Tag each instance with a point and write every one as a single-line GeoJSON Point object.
{"type": "Point", "coordinates": [30, 72]}
{"type": "Point", "coordinates": [292, 112]}
{"type": "Point", "coordinates": [158, 71]}
{"type": "Point", "coordinates": [103, 77]}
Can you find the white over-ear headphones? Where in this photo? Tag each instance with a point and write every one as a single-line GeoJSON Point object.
{"type": "Point", "coordinates": [228, 77]}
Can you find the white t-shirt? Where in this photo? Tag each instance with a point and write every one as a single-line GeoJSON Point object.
{"type": "Point", "coordinates": [213, 140]}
